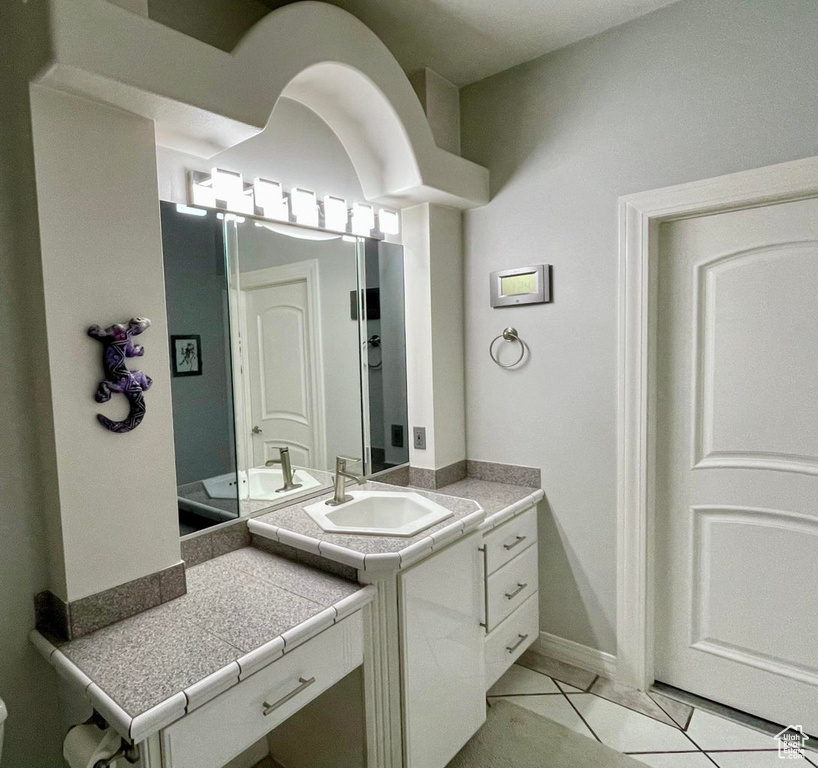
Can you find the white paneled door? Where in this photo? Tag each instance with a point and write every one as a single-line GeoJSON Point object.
{"type": "Point", "coordinates": [737, 460]}
{"type": "Point", "coordinates": [283, 357]}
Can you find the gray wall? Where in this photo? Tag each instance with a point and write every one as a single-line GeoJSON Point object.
{"type": "Point", "coordinates": [220, 23]}
{"type": "Point", "coordinates": [27, 469]}
{"type": "Point", "coordinates": [696, 90]}
{"type": "Point", "coordinates": [196, 298]}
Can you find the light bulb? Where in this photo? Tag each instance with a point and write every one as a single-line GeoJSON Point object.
{"type": "Point", "coordinates": [228, 187]}
{"type": "Point", "coordinates": [203, 195]}
{"type": "Point", "coordinates": [363, 219]}
{"type": "Point", "coordinates": [389, 221]}
{"type": "Point", "coordinates": [335, 213]}
{"type": "Point", "coordinates": [304, 207]}
{"type": "Point", "coordinates": [269, 197]}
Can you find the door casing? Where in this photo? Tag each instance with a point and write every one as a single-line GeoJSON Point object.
{"type": "Point", "coordinates": [639, 218]}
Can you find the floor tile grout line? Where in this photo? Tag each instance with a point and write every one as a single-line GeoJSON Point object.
{"type": "Point", "coordinates": [730, 751]}
{"type": "Point", "coordinates": [680, 727]}
{"type": "Point", "coordinates": [636, 711]}
{"type": "Point", "coordinates": [518, 663]}
{"type": "Point", "coordinates": [579, 714]}
{"type": "Point", "coordinates": [690, 739]}
{"type": "Point", "coordinates": [590, 692]}
{"type": "Point", "coordinates": [567, 695]}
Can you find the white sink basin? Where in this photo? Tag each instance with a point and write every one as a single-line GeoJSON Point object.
{"type": "Point", "coordinates": [262, 484]}
{"type": "Point", "coordinates": [381, 513]}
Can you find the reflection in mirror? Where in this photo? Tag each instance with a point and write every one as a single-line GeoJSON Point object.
{"type": "Point", "coordinates": [299, 352]}
{"type": "Point", "coordinates": [288, 349]}
{"type": "Point", "coordinates": [385, 355]}
{"type": "Point", "coordinates": [196, 295]}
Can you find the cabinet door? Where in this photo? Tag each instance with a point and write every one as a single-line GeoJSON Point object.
{"type": "Point", "coordinates": [442, 654]}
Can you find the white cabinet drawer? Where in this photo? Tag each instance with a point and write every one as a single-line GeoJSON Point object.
{"type": "Point", "coordinates": [218, 731]}
{"type": "Point", "coordinates": [510, 586]}
{"type": "Point", "coordinates": [510, 639]}
{"type": "Point", "coordinates": [506, 542]}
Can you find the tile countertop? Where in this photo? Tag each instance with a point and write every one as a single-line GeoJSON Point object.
{"type": "Point", "coordinates": [242, 611]}
{"type": "Point", "coordinates": [474, 504]}
{"type": "Point", "coordinates": [500, 501]}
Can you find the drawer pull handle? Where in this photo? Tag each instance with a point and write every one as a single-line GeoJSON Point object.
{"type": "Point", "coordinates": [270, 708]}
{"type": "Point", "coordinates": [512, 648]}
{"type": "Point", "coordinates": [520, 588]}
{"type": "Point", "coordinates": [520, 540]}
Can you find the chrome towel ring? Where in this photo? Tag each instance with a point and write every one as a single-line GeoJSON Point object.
{"type": "Point", "coordinates": [511, 335]}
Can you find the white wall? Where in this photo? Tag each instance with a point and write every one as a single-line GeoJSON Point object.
{"type": "Point", "coordinates": [433, 264]}
{"type": "Point", "coordinates": [102, 263]}
{"type": "Point", "coordinates": [297, 148]}
{"type": "Point", "coordinates": [441, 103]}
{"type": "Point", "coordinates": [696, 90]}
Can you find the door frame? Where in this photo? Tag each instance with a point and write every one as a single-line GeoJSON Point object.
{"type": "Point", "coordinates": [306, 270]}
{"type": "Point", "coordinates": [640, 215]}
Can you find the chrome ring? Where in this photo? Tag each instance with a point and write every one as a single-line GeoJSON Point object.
{"type": "Point", "coordinates": [509, 334]}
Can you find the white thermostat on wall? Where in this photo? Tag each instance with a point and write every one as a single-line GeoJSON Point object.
{"type": "Point", "coordinates": [524, 285]}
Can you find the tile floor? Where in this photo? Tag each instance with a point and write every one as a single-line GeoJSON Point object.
{"type": "Point", "coordinates": [652, 728]}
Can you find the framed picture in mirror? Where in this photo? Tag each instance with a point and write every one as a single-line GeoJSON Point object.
{"type": "Point", "coordinates": [186, 355]}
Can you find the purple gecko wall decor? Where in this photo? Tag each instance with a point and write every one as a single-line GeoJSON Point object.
{"type": "Point", "coordinates": [117, 348]}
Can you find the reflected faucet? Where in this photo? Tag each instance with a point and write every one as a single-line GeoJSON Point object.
{"type": "Point", "coordinates": [286, 470]}
{"type": "Point", "coordinates": [341, 496]}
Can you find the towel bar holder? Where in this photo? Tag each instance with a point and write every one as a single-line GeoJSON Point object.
{"type": "Point", "coordinates": [510, 335]}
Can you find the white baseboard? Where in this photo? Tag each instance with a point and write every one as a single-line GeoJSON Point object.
{"type": "Point", "coordinates": [577, 654]}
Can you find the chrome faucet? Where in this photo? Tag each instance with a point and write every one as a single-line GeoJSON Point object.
{"type": "Point", "coordinates": [286, 470]}
{"type": "Point", "coordinates": [341, 496]}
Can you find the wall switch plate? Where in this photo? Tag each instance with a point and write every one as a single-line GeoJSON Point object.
{"type": "Point", "coordinates": [419, 437]}
{"type": "Point", "coordinates": [397, 435]}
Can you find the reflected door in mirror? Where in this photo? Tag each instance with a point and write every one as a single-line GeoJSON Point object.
{"type": "Point", "coordinates": [285, 383]}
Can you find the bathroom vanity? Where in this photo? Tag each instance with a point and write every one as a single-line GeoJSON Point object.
{"type": "Point", "coordinates": [259, 635]}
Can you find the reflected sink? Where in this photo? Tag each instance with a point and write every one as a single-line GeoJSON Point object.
{"type": "Point", "coordinates": [264, 483]}
{"type": "Point", "coordinates": [381, 513]}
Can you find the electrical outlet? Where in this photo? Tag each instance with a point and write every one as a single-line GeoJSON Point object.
{"type": "Point", "coordinates": [397, 435]}
{"type": "Point", "coordinates": [420, 437]}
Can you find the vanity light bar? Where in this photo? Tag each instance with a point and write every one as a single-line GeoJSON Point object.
{"type": "Point", "coordinates": [226, 191]}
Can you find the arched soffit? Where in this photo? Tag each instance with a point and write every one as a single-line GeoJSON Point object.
{"type": "Point", "coordinates": [205, 100]}
{"type": "Point", "coordinates": [365, 122]}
